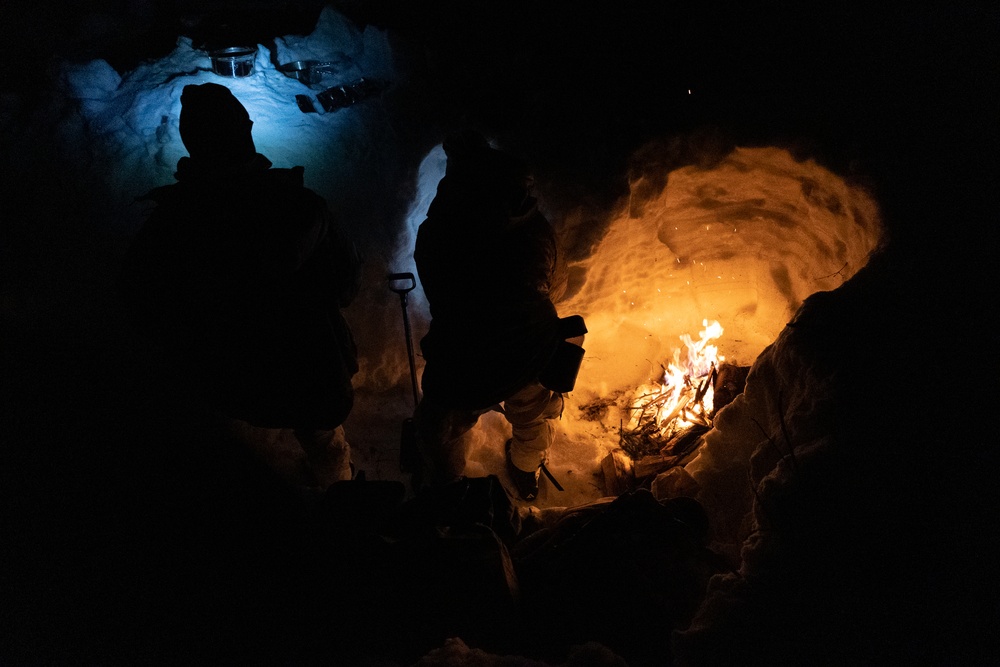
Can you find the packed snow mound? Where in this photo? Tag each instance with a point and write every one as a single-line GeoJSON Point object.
{"type": "Point", "coordinates": [824, 483]}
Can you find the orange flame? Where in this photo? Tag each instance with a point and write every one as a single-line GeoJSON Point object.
{"type": "Point", "coordinates": [683, 397]}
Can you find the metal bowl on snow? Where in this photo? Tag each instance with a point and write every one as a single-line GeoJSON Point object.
{"type": "Point", "coordinates": [233, 61]}
{"type": "Point", "coordinates": [307, 71]}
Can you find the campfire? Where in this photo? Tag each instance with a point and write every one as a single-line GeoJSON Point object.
{"type": "Point", "coordinates": [668, 417]}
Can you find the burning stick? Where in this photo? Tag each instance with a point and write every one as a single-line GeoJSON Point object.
{"type": "Point", "coordinates": [682, 401]}
{"type": "Point", "coordinates": [682, 442]}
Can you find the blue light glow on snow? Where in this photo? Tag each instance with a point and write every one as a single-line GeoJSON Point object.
{"type": "Point", "coordinates": [124, 135]}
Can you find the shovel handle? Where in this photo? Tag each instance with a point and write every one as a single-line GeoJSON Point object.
{"type": "Point", "coordinates": [402, 292]}
{"type": "Point", "coordinates": [395, 277]}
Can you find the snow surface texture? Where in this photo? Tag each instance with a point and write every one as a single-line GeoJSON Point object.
{"type": "Point", "coordinates": [130, 122]}
{"type": "Point", "coordinates": [823, 483]}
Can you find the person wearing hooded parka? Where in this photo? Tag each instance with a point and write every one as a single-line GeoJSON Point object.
{"type": "Point", "coordinates": [241, 272]}
{"type": "Point", "coordinates": [486, 258]}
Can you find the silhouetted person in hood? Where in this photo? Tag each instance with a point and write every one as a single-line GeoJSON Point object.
{"type": "Point", "coordinates": [486, 258]}
{"type": "Point", "coordinates": [243, 271]}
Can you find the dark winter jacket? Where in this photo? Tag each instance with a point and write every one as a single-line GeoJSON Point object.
{"type": "Point", "coordinates": [243, 272]}
{"type": "Point", "coordinates": [485, 257]}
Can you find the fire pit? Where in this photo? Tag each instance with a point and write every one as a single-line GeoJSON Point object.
{"type": "Point", "coordinates": [679, 402]}
{"type": "Point", "coordinates": [668, 418]}
{"type": "Point", "coordinates": [740, 243]}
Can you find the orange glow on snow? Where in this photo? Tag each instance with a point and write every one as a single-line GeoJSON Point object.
{"type": "Point", "coordinates": [741, 243]}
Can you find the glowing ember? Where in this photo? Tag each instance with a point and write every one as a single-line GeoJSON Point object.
{"type": "Point", "coordinates": [683, 397]}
